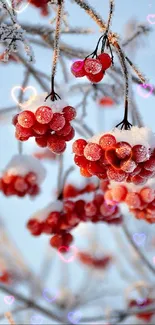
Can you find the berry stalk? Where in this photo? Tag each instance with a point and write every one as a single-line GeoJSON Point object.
{"type": "Point", "coordinates": [56, 49]}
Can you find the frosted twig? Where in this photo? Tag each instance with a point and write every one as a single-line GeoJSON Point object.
{"type": "Point", "coordinates": [146, 262]}
{"type": "Point", "coordinates": [12, 34]}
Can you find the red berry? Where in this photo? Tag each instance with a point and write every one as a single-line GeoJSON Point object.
{"type": "Point", "coordinates": [20, 185]}
{"type": "Point", "coordinates": [128, 165]}
{"type": "Point", "coordinates": [41, 141]}
{"type": "Point", "coordinates": [94, 78]}
{"type": "Point", "coordinates": [31, 178]}
{"type": "Point", "coordinates": [137, 180]}
{"type": "Point", "coordinates": [26, 119]}
{"type": "Point", "coordinates": [92, 151]}
{"type": "Point", "coordinates": [40, 129]}
{"type": "Point", "coordinates": [107, 210]}
{"type": "Point", "coordinates": [140, 153]}
{"type": "Point", "coordinates": [84, 172]}
{"type": "Point", "coordinates": [70, 135]}
{"type": "Point", "coordinates": [109, 198]}
{"type": "Point", "coordinates": [77, 69]}
{"type": "Point", "coordinates": [116, 174]}
{"type": "Point", "coordinates": [107, 141]}
{"type": "Point", "coordinates": [119, 193]}
{"type": "Point", "coordinates": [105, 59]}
{"type": "Point", "coordinates": [58, 122]}
{"type": "Point", "coordinates": [80, 161]}
{"type": "Point", "coordinates": [65, 130]}
{"type": "Point", "coordinates": [146, 173]}
{"type": "Point", "coordinates": [133, 200]}
{"type": "Point", "coordinates": [136, 171]}
{"type": "Point", "coordinates": [94, 168]}
{"type": "Point", "coordinates": [44, 115]}
{"type": "Point", "coordinates": [69, 113]}
{"type": "Point", "coordinates": [22, 132]}
{"type": "Point", "coordinates": [123, 150]}
{"type": "Point", "coordinates": [147, 194]}
{"type": "Point", "coordinates": [55, 144]}
{"type": "Point", "coordinates": [150, 164]}
{"type": "Point", "coordinates": [15, 119]}
{"type": "Point", "coordinates": [90, 209]}
{"type": "Point", "coordinates": [78, 147]}
{"type": "Point", "coordinates": [35, 227]}
{"type": "Point", "coordinates": [92, 66]}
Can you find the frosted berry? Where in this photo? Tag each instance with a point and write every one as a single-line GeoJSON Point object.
{"type": "Point", "coordinates": [69, 113]}
{"type": "Point", "coordinates": [147, 194]}
{"type": "Point", "coordinates": [119, 193]}
{"type": "Point", "coordinates": [22, 132]}
{"type": "Point", "coordinates": [80, 161]}
{"type": "Point", "coordinates": [26, 119]}
{"type": "Point", "coordinates": [138, 180]}
{"type": "Point", "coordinates": [92, 66]}
{"type": "Point", "coordinates": [94, 78]}
{"type": "Point", "coordinates": [128, 166]}
{"type": "Point", "coordinates": [94, 168]}
{"type": "Point", "coordinates": [58, 122]}
{"type": "Point", "coordinates": [123, 150]}
{"type": "Point", "coordinates": [105, 59]}
{"type": "Point", "coordinates": [77, 69]}
{"type": "Point", "coordinates": [140, 153]}
{"type": "Point", "coordinates": [41, 141]}
{"type": "Point", "coordinates": [116, 174]}
{"type": "Point", "coordinates": [107, 141]}
{"type": "Point", "coordinates": [133, 200]}
{"type": "Point", "coordinates": [70, 135]}
{"type": "Point", "coordinates": [78, 147]}
{"type": "Point", "coordinates": [40, 129]}
{"type": "Point", "coordinates": [55, 144]}
{"type": "Point", "coordinates": [44, 115]}
{"type": "Point", "coordinates": [65, 130]}
{"type": "Point", "coordinates": [92, 151]}
{"type": "Point", "coordinates": [150, 164]}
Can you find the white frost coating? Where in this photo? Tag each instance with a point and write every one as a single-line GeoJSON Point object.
{"type": "Point", "coordinates": [39, 100]}
{"type": "Point", "coordinates": [23, 164]}
{"type": "Point", "coordinates": [134, 136]}
{"type": "Point", "coordinates": [43, 213]}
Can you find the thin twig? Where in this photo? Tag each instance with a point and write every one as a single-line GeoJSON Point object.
{"type": "Point", "coordinates": [141, 255]}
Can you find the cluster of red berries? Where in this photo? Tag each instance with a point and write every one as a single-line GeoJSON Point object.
{"type": "Point", "coordinates": [60, 223]}
{"type": "Point", "coordinates": [41, 4]}
{"type": "Point", "coordinates": [140, 202]}
{"type": "Point", "coordinates": [116, 161]}
{"type": "Point", "coordinates": [73, 191]}
{"type": "Point", "coordinates": [50, 129]}
{"type": "Point", "coordinates": [93, 69]}
{"type": "Point", "coordinates": [98, 263]}
{"type": "Point", "coordinates": [143, 316]}
{"type": "Point", "coordinates": [19, 185]}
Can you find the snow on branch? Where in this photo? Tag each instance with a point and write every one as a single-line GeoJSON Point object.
{"type": "Point", "coordinates": [13, 35]}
